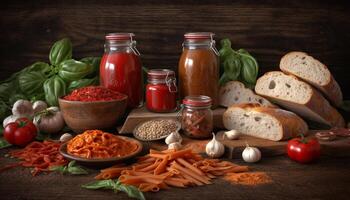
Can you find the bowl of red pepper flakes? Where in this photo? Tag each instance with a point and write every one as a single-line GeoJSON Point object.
{"type": "Point", "coordinates": [92, 107]}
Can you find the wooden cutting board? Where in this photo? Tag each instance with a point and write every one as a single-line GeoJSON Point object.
{"type": "Point", "coordinates": [233, 148]}
{"type": "Point", "coordinates": [139, 115]}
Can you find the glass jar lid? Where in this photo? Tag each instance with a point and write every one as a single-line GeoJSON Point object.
{"type": "Point", "coordinates": [197, 101]}
{"type": "Point", "coordinates": [199, 35]}
{"type": "Point", "coordinates": [163, 76]}
{"type": "Point", "coordinates": [120, 36]}
{"type": "Point", "coordinates": [160, 73]}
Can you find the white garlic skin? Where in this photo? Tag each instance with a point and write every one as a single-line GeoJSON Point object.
{"type": "Point", "coordinates": [214, 148]}
{"type": "Point", "coordinates": [173, 137]}
{"type": "Point", "coordinates": [65, 137]}
{"type": "Point", "coordinates": [175, 146]}
{"type": "Point", "coordinates": [232, 134]}
{"type": "Point", "coordinates": [251, 154]}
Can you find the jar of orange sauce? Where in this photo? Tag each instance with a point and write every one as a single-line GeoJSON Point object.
{"type": "Point", "coordinates": [199, 66]}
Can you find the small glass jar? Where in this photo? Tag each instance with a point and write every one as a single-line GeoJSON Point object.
{"type": "Point", "coordinates": [197, 117]}
{"type": "Point", "coordinates": [161, 91]}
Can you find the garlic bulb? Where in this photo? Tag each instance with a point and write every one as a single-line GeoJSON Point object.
{"type": "Point", "coordinates": [173, 137]}
{"type": "Point", "coordinates": [214, 148]}
{"type": "Point", "coordinates": [23, 108]}
{"type": "Point", "coordinates": [251, 154]}
{"type": "Point", "coordinates": [39, 106]}
{"type": "Point", "coordinates": [65, 137]}
{"type": "Point", "coordinates": [232, 134]}
{"type": "Point", "coordinates": [175, 146]}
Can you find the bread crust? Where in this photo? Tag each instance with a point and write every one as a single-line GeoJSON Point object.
{"type": "Point", "coordinates": [230, 85]}
{"type": "Point", "coordinates": [292, 125]}
{"type": "Point", "coordinates": [331, 89]}
{"type": "Point", "coordinates": [317, 103]}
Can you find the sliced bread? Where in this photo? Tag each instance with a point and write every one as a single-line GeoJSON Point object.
{"type": "Point", "coordinates": [314, 72]}
{"type": "Point", "coordinates": [299, 97]}
{"type": "Point", "coordinates": [264, 122]}
{"type": "Point", "coordinates": [234, 92]}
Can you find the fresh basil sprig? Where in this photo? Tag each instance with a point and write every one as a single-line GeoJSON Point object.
{"type": "Point", "coordinates": [116, 186]}
{"type": "Point", "coordinates": [4, 143]}
{"type": "Point", "coordinates": [71, 168]}
{"type": "Point", "coordinates": [237, 65]}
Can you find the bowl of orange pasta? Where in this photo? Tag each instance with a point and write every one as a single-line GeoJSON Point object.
{"type": "Point", "coordinates": [98, 148]}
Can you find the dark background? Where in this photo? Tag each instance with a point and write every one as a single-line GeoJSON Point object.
{"type": "Point", "coordinates": [267, 29]}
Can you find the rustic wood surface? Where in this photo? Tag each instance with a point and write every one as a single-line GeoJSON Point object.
{"type": "Point", "coordinates": [329, 178]}
{"type": "Point", "coordinates": [268, 29]}
{"type": "Point", "coordinates": [139, 115]}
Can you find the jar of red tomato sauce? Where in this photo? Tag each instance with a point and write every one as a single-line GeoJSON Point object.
{"type": "Point", "coordinates": [120, 67]}
{"type": "Point", "coordinates": [161, 91]}
{"type": "Point", "coordinates": [197, 117]}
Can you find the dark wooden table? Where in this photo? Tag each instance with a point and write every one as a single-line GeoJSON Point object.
{"type": "Point", "coordinates": [329, 178]}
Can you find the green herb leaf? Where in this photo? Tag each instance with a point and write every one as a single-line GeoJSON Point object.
{"type": "Point", "coordinates": [61, 169]}
{"type": "Point", "coordinates": [41, 136]}
{"type": "Point", "coordinates": [60, 51]}
{"type": "Point", "coordinates": [131, 191]}
{"type": "Point", "coordinates": [103, 184]}
{"type": "Point", "coordinates": [4, 143]}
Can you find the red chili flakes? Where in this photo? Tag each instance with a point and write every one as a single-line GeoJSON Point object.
{"type": "Point", "coordinates": [94, 93]}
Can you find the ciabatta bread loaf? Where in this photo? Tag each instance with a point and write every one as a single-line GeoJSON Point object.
{"type": "Point", "coordinates": [234, 92]}
{"type": "Point", "coordinates": [264, 122]}
{"type": "Point", "coordinates": [314, 72]}
{"type": "Point", "coordinates": [299, 97]}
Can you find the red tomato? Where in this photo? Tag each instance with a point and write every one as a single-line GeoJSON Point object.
{"type": "Point", "coordinates": [302, 150]}
{"type": "Point", "coordinates": [21, 132]}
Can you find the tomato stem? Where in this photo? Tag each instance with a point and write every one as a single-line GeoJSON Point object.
{"type": "Point", "coordinates": [22, 124]}
{"type": "Point", "coordinates": [302, 139]}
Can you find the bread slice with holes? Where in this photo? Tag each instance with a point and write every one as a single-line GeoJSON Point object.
{"type": "Point", "coordinates": [264, 122]}
{"type": "Point", "coordinates": [314, 72]}
{"type": "Point", "coordinates": [299, 97]}
{"type": "Point", "coordinates": [234, 92]}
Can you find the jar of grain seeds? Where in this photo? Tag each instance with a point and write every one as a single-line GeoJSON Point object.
{"type": "Point", "coordinates": [197, 117]}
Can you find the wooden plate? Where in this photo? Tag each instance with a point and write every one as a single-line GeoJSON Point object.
{"type": "Point", "coordinates": [101, 162]}
{"type": "Point", "coordinates": [178, 124]}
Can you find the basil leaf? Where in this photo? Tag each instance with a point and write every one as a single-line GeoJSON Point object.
{"type": "Point", "coordinates": [31, 83]}
{"type": "Point", "coordinates": [60, 51]}
{"type": "Point", "coordinates": [41, 67]}
{"type": "Point", "coordinates": [232, 67]}
{"type": "Point", "coordinates": [131, 191]}
{"type": "Point", "coordinates": [102, 184]}
{"type": "Point", "coordinates": [61, 169]}
{"type": "Point", "coordinates": [95, 63]}
{"type": "Point", "coordinates": [4, 143]}
{"type": "Point", "coordinates": [72, 70]}
{"type": "Point", "coordinates": [4, 111]}
{"type": "Point", "coordinates": [76, 169]}
{"type": "Point", "coordinates": [249, 69]}
{"type": "Point", "coordinates": [41, 137]}
{"type": "Point", "coordinates": [82, 83]}
{"type": "Point", "coordinates": [54, 88]}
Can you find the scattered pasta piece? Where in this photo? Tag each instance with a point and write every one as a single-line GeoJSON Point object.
{"type": "Point", "coordinates": [171, 168]}
{"type": "Point", "coordinates": [38, 155]}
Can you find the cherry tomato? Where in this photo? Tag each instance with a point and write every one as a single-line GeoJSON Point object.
{"type": "Point", "coordinates": [302, 150]}
{"type": "Point", "coordinates": [21, 132]}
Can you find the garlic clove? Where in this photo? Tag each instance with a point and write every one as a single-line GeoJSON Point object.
{"type": "Point", "coordinates": [251, 154]}
{"type": "Point", "coordinates": [175, 146]}
{"type": "Point", "coordinates": [173, 137]}
{"type": "Point", "coordinates": [39, 106]}
{"type": "Point", "coordinates": [214, 148]}
{"type": "Point", "coordinates": [65, 137]}
{"type": "Point", "coordinates": [232, 134]}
